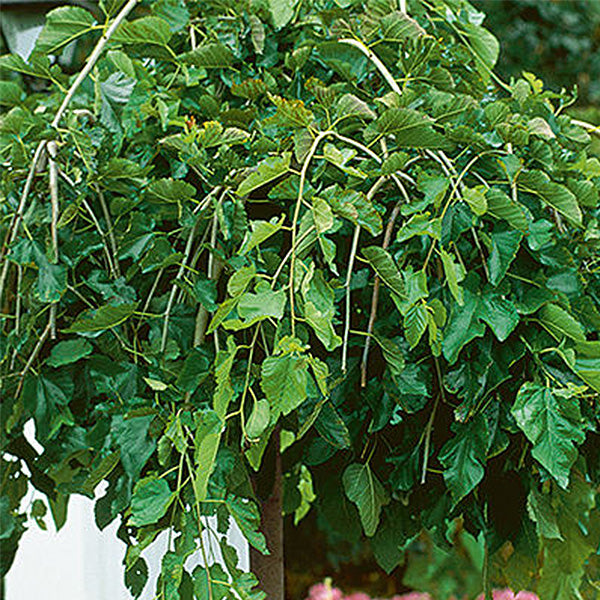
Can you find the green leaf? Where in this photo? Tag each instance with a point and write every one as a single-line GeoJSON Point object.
{"type": "Point", "coordinates": [561, 323]}
{"type": "Point", "coordinates": [349, 105]}
{"type": "Point", "coordinates": [319, 309]}
{"type": "Point", "coordinates": [385, 267]}
{"type": "Point", "coordinates": [356, 207]}
{"type": "Point", "coordinates": [170, 190]}
{"type": "Point", "coordinates": [209, 428]}
{"type": "Point", "coordinates": [464, 455]}
{"type": "Point", "coordinates": [483, 45]}
{"type": "Point", "coordinates": [47, 397]}
{"type": "Point", "coordinates": [101, 319]}
{"type": "Point", "coordinates": [63, 25]}
{"type": "Point", "coordinates": [131, 435]}
{"type": "Point", "coordinates": [455, 273]}
{"type": "Point", "coordinates": [266, 303]}
{"type": "Point", "coordinates": [259, 418]}
{"type": "Point", "coordinates": [500, 314]}
{"type": "Point", "coordinates": [146, 30]}
{"type": "Point", "coordinates": [247, 517]}
{"type": "Point", "coordinates": [553, 194]}
{"type": "Point", "coordinates": [415, 323]}
{"type": "Point", "coordinates": [476, 199]}
{"type": "Point", "coordinates": [364, 489]}
{"type": "Point", "coordinates": [194, 371]}
{"type": "Point", "coordinates": [398, 26]}
{"type": "Point", "coordinates": [552, 422]}
{"type": "Point", "coordinates": [209, 56]}
{"type": "Point", "coordinates": [69, 351]}
{"type": "Point", "coordinates": [150, 501]}
{"type": "Point", "coordinates": [332, 427]}
{"type": "Point", "coordinates": [463, 326]}
{"type": "Point", "coordinates": [410, 128]}
{"type": "Point", "coordinates": [52, 282]}
{"type": "Point", "coordinates": [505, 246]}
{"type": "Point", "coordinates": [267, 170]}
{"type": "Point", "coordinates": [502, 207]}
{"type": "Point", "coordinates": [282, 12]}
{"type": "Point", "coordinates": [284, 380]}
{"type": "Point", "coordinates": [260, 231]}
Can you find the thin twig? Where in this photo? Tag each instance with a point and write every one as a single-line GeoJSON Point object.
{"type": "Point", "coordinates": [429, 428]}
{"type": "Point", "coordinates": [86, 205]}
{"type": "Point", "coordinates": [589, 127]}
{"type": "Point", "coordinates": [385, 73]}
{"type": "Point", "coordinates": [351, 258]}
{"type": "Point", "coordinates": [214, 269]}
{"type": "Point", "coordinates": [13, 230]}
{"type": "Point", "coordinates": [31, 358]}
{"type": "Point", "coordinates": [53, 184]}
{"type": "Point", "coordinates": [377, 283]}
{"type": "Point", "coordinates": [321, 136]}
{"type": "Point", "coordinates": [186, 256]}
{"type": "Point", "coordinates": [109, 230]}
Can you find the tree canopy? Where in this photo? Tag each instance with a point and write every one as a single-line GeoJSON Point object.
{"type": "Point", "coordinates": [326, 223]}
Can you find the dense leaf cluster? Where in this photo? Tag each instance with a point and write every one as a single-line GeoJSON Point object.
{"type": "Point", "coordinates": [324, 223]}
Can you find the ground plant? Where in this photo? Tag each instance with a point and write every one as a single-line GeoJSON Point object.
{"type": "Point", "coordinates": [282, 256]}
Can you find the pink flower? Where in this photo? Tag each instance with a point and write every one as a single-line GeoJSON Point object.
{"type": "Point", "coordinates": [509, 595]}
{"type": "Point", "coordinates": [357, 596]}
{"type": "Point", "coordinates": [324, 591]}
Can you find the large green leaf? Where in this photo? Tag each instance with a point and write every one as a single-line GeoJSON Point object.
{"type": "Point", "coordinates": [151, 499]}
{"type": "Point", "coordinates": [364, 489]}
{"type": "Point", "coordinates": [103, 318]}
{"type": "Point", "coordinates": [268, 170]}
{"type": "Point", "coordinates": [464, 456]}
{"type": "Point", "coordinates": [147, 30]}
{"type": "Point", "coordinates": [209, 427]}
{"type": "Point", "coordinates": [131, 436]}
{"type": "Point", "coordinates": [247, 517]}
{"type": "Point", "coordinates": [63, 25]}
{"type": "Point", "coordinates": [209, 56]}
{"type": "Point", "coordinates": [552, 422]}
{"type": "Point", "coordinates": [555, 195]}
{"type": "Point", "coordinates": [502, 207]}
{"type": "Point", "coordinates": [505, 246]}
{"type": "Point", "coordinates": [409, 127]}
{"type": "Point", "coordinates": [561, 323]}
{"type": "Point", "coordinates": [284, 380]}
{"type": "Point", "coordinates": [463, 326]}
{"type": "Point", "coordinates": [357, 208]}
{"type": "Point", "coordinates": [386, 268]}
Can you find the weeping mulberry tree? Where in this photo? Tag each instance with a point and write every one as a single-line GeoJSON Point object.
{"type": "Point", "coordinates": [314, 251]}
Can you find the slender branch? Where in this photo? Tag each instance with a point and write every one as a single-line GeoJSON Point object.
{"type": "Point", "coordinates": [377, 283]}
{"type": "Point", "coordinates": [110, 232]}
{"type": "Point", "coordinates": [13, 230]}
{"type": "Point", "coordinates": [96, 223]}
{"type": "Point", "coordinates": [31, 358]}
{"type": "Point", "coordinates": [385, 73]}
{"type": "Point", "coordinates": [186, 256]}
{"type": "Point", "coordinates": [351, 258]}
{"type": "Point", "coordinates": [53, 184]}
{"type": "Point", "coordinates": [321, 136]}
{"type": "Point", "coordinates": [589, 127]}
{"type": "Point", "coordinates": [214, 269]}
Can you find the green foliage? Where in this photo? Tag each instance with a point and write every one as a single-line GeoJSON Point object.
{"type": "Point", "coordinates": [328, 225]}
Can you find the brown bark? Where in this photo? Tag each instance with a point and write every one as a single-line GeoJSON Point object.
{"type": "Point", "coordinates": [270, 569]}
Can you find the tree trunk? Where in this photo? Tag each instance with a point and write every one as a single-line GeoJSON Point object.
{"type": "Point", "coordinates": [270, 569]}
